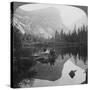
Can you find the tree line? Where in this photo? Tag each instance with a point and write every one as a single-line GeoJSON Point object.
{"type": "Point", "coordinates": [77, 36]}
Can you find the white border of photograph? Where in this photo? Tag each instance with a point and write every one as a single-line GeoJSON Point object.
{"type": "Point", "coordinates": [5, 44]}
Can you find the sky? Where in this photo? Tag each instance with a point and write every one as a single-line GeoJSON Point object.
{"type": "Point", "coordinates": [15, 5]}
{"type": "Point", "coordinates": [69, 14]}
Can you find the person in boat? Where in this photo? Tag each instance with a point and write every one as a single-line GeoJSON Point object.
{"type": "Point", "coordinates": [52, 52]}
{"type": "Point", "coordinates": [52, 56]}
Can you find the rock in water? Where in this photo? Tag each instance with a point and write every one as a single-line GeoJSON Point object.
{"type": "Point", "coordinates": [72, 73]}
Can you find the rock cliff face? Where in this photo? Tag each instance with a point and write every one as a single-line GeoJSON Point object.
{"type": "Point", "coordinates": [42, 22]}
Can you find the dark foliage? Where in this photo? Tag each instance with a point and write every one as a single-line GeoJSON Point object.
{"type": "Point", "coordinates": [22, 61]}
{"type": "Point", "coordinates": [77, 36]}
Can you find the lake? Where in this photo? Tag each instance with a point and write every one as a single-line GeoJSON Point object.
{"type": "Point", "coordinates": [69, 68]}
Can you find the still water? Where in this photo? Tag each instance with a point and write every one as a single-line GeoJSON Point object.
{"type": "Point", "coordinates": [59, 73]}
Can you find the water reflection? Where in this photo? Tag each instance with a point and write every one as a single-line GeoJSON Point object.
{"type": "Point", "coordinates": [67, 61]}
{"type": "Point", "coordinates": [65, 79]}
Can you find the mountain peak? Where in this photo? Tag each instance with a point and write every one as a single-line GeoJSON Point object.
{"type": "Point", "coordinates": [42, 22]}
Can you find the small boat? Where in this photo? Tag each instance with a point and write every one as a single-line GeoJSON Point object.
{"type": "Point", "coordinates": [48, 56]}
{"type": "Point", "coordinates": [44, 52]}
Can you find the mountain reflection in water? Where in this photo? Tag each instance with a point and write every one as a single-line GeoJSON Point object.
{"type": "Point", "coordinates": [69, 59]}
{"type": "Point", "coordinates": [65, 79]}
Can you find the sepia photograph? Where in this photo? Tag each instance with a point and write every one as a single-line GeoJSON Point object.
{"type": "Point", "coordinates": [49, 44]}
